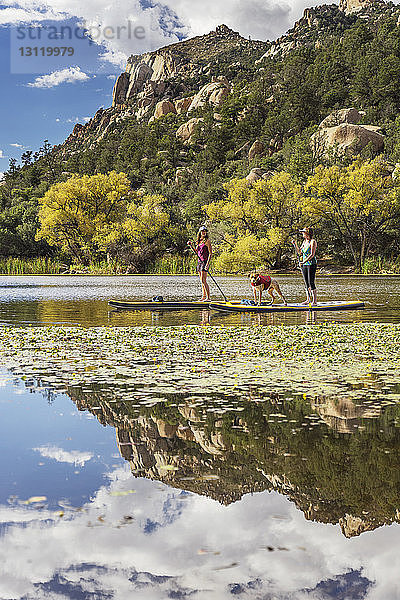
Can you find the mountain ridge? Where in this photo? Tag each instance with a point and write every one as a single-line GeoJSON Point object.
{"type": "Point", "coordinates": [180, 70]}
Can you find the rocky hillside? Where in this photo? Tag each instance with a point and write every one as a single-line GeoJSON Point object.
{"type": "Point", "coordinates": [183, 77]}
{"type": "Point", "coordinates": [174, 70]}
{"type": "Point", "coordinates": [321, 24]}
{"type": "Point", "coordinates": [176, 79]}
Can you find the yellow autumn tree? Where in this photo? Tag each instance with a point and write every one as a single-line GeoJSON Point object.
{"type": "Point", "coordinates": [143, 231]}
{"type": "Point", "coordinates": [75, 215]}
{"type": "Point", "coordinates": [359, 202]}
{"type": "Point", "coordinates": [147, 218]}
{"type": "Point", "coordinates": [85, 216]}
{"type": "Point", "coordinates": [256, 221]}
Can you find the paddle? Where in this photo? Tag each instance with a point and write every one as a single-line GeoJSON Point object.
{"type": "Point", "coordinates": [302, 272]}
{"type": "Point", "coordinates": [190, 244]}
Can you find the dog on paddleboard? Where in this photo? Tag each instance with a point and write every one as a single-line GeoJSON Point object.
{"type": "Point", "coordinates": [261, 283]}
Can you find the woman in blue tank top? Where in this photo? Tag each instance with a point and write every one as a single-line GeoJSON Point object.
{"type": "Point", "coordinates": [308, 263]}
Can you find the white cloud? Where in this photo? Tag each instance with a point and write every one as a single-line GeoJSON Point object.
{"type": "Point", "coordinates": [259, 19]}
{"type": "Point", "coordinates": [70, 75]}
{"type": "Point", "coordinates": [74, 457]}
{"type": "Point", "coordinates": [2, 154]}
{"type": "Point", "coordinates": [28, 14]}
{"type": "Point", "coordinates": [17, 146]}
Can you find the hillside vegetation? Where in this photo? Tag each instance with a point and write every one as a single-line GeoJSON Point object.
{"type": "Point", "coordinates": [261, 121]}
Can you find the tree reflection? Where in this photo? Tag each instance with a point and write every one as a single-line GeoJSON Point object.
{"type": "Point", "coordinates": [336, 460]}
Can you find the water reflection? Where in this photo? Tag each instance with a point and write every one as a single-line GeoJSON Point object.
{"type": "Point", "coordinates": [158, 543]}
{"type": "Point", "coordinates": [228, 446]}
{"type": "Point", "coordinates": [233, 495]}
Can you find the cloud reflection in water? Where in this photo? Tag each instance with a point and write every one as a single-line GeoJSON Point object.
{"type": "Point", "coordinates": [259, 547]}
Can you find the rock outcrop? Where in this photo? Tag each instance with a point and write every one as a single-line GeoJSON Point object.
{"type": "Point", "coordinates": [182, 105]}
{"type": "Point", "coordinates": [354, 526]}
{"type": "Point", "coordinates": [165, 107]}
{"type": "Point", "coordinates": [350, 139]}
{"type": "Point", "coordinates": [343, 415]}
{"type": "Point", "coordinates": [213, 93]}
{"type": "Point", "coordinates": [121, 88]}
{"type": "Point", "coordinates": [355, 6]}
{"type": "Point", "coordinates": [257, 149]}
{"type": "Point", "coordinates": [186, 131]}
{"type": "Point", "coordinates": [347, 136]}
{"type": "Point", "coordinates": [344, 115]}
{"type": "Point", "coordinates": [255, 175]}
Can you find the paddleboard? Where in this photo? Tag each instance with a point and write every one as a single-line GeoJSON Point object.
{"type": "Point", "coordinates": [278, 308]}
{"type": "Point", "coordinates": [166, 305]}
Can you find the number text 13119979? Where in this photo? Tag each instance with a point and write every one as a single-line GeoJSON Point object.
{"type": "Point", "coordinates": [46, 51]}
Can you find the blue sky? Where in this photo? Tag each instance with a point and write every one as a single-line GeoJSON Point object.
{"type": "Point", "coordinates": [42, 98]}
{"type": "Point", "coordinates": [30, 115]}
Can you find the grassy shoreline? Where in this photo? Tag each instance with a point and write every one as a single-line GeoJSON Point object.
{"type": "Point", "coordinates": [320, 275]}
{"type": "Point", "coordinates": [174, 266]}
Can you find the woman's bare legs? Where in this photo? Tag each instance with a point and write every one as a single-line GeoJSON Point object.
{"type": "Point", "coordinates": [314, 297]}
{"type": "Point", "coordinates": [204, 285]}
{"type": "Point", "coordinates": [311, 298]}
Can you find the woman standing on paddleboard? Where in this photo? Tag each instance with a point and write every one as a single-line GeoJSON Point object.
{"type": "Point", "coordinates": [308, 263]}
{"type": "Point", "coordinates": [204, 254]}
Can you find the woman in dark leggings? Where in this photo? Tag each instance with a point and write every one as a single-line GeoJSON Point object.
{"type": "Point", "coordinates": [308, 263]}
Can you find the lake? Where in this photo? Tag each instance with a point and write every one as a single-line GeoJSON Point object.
{"type": "Point", "coordinates": [156, 471]}
{"type": "Point", "coordinates": [83, 301]}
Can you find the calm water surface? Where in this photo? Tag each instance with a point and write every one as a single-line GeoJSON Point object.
{"type": "Point", "coordinates": [112, 495]}
{"type": "Point", "coordinates": [84, 300]}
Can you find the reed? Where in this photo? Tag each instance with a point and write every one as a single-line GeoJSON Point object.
{"type": "Point", "coordinates": [166, 265]}
{"type": "Point", "coordinates": [172, 264]}
{"type": "Point", "coordinates": [381, 265]}
{"type": "Point", "coordinates": [30, 266]}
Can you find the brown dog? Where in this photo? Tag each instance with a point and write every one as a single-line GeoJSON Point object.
{"type": "Point", "coordinates": [260, 282]}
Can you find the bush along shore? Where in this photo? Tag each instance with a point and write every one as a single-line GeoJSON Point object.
{"type": "Point", "coordinates": [167, 265]}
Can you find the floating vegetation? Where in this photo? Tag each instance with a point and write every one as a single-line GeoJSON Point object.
{"type": "Point", "coordinates": [334, 359]}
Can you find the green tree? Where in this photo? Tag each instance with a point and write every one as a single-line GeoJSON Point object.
{"type": "Point", "coordinates": [256, 221]}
